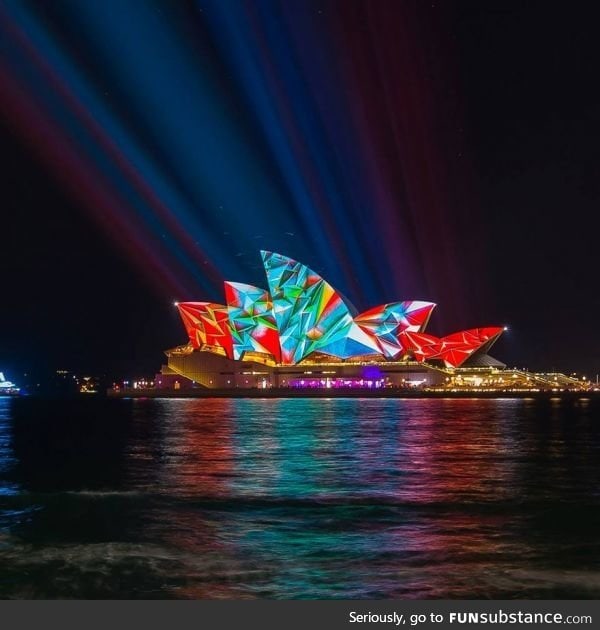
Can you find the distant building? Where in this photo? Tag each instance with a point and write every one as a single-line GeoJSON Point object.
{"type": "Point", "coordinates": [6, 387]}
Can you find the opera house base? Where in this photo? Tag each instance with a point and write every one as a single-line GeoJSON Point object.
{"type": "Point", "coordinates": [200, 374]}
{"type": "Point", "coordinates": [215, 371]}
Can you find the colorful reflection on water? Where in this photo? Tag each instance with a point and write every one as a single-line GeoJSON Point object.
{"type": "Point", "coordinates": [299, 498]}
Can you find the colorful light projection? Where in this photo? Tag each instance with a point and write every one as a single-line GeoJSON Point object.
{"type": "Point", "coordinates": [310, 314]}
{"type": "Point", "coordinates": [253, 327]}
{"type": "Point", "coordinates": [453, 349]}
{"type": "Point", "coordinates": [302, 314]}
{"type": "Point", "coordinates": [207, 324]}
{"type": "Point", "coordinates": [384, 323]}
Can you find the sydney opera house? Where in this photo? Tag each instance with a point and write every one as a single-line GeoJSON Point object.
{"type": "Point", "coordinates": [302, 333]}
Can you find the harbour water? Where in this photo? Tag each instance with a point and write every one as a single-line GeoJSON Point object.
{"type": "Point", "coordinates": [299, 498]}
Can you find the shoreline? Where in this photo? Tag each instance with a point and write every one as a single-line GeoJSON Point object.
{"type": "Point", "coordinates": [276, 393]}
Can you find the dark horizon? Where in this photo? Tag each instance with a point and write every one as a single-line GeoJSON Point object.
{"type": "Point", "coordinates": [506, 90]}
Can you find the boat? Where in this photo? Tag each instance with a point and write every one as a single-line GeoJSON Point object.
{"type": "Point", "coordinates": [7, 388]}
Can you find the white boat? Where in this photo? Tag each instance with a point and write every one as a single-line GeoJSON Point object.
{"type": "Point", "coordinates": [7, 388]}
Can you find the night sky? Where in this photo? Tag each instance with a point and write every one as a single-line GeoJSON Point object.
{"type": "Point", "coordinates": [445, 151]}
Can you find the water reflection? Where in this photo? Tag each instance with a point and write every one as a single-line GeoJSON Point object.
{"type": "Point", "coordinates": [404, 451]}
{"type": "Point", "coordinates": [299, 498]}
{"type": "Point", "coordinates": [7, 459]}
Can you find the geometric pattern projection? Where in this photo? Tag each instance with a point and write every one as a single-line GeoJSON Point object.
{"type": "Point", "coordinates": [453, 349]}
{"type": "Point", "coordinates": [253, 327]}
{"type": "Point", "coordinates": [310, 314]}
{"type": "Point", "coordinates": [301, 314]}
{"type": "Point", "coordinates": [207, 324]}
{"type": "Point", "coordinates": [385, 323]}
{"type": "Point", "coordinates": [419, 345]}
